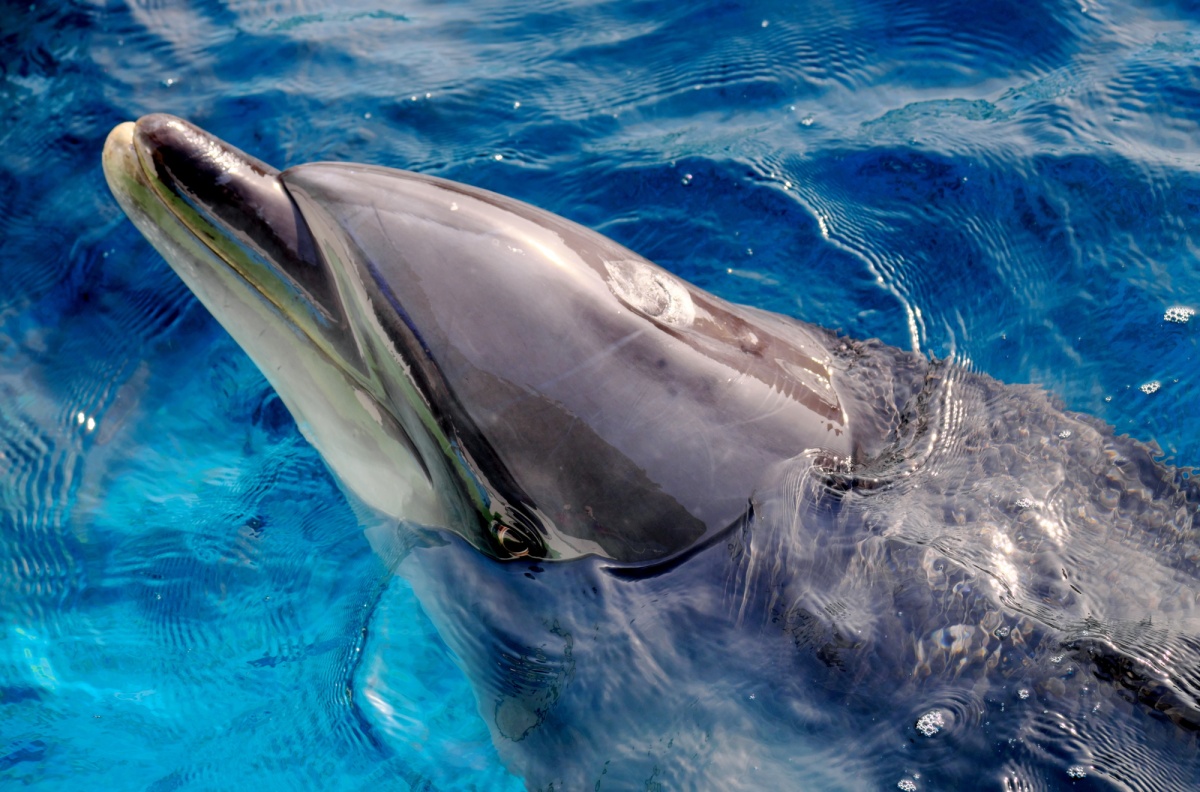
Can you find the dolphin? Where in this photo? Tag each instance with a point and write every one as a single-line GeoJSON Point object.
{"type": "Point", "coordinates": [678, 543]}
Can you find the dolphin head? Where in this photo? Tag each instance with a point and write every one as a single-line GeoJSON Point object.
{"type": "Point", "coordinates": [468, 362]}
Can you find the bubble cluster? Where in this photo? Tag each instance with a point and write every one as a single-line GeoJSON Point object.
{"type": "Point", "coordinates": [907, 785]}
{"type": "Point", "coordinates": [1179, 314]}
{"type": "Point", "coordinates": [1150, 387]}
{"type": "Point", "coordinates": [1075, 771]}
{"type": "Point", "coordinates": [930, 723]}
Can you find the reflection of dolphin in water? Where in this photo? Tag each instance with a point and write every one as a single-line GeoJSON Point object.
{"type": "Point", "coordinates": [799, 561]}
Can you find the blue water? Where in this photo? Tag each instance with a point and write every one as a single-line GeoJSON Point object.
{"type": "Point", "coordinates": [186, 602]}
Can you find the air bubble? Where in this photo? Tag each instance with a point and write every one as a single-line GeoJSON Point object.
{"type": "Point", "coordinates": [1150, 387]}
{"type": "Point", "coordinates": [1179, 314]}
{"type": "Point", "coordinates": [1075, 771]}
{"type": "Point", "coordinates": [907, 785]}
{"type": "Point", "coordinates": [930, 723]}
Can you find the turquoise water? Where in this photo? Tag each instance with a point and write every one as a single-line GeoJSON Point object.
{"type": "Point", "coordinates": [186, 602]}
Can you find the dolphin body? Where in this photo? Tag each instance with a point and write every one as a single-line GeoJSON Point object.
{"type": "Point", "coordinates": [681, 544]}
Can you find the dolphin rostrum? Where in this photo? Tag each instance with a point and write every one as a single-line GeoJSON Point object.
{"type": "Point", "coordinates": [778, 536]}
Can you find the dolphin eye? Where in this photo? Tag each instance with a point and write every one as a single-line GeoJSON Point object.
{"type": "Point", "coordinates": [651, 291]}
{"type": "Point", "coordinates": [512, 541]}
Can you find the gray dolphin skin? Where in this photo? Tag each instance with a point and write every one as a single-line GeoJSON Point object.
{"type": "Point", "coordinates": [677, 543]}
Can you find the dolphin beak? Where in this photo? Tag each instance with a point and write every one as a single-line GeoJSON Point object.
{"type": "Point", "coordinates": [236, 193]}
{"type": "Point", "coordinates": [244, 200]}
{"type": "Point", "coordinates": [237, 206]}
{"type": "Point", "coordinates": [227, 225]}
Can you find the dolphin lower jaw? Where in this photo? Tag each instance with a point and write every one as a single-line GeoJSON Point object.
{"type": "Point", "coordinates": [335, 408]}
